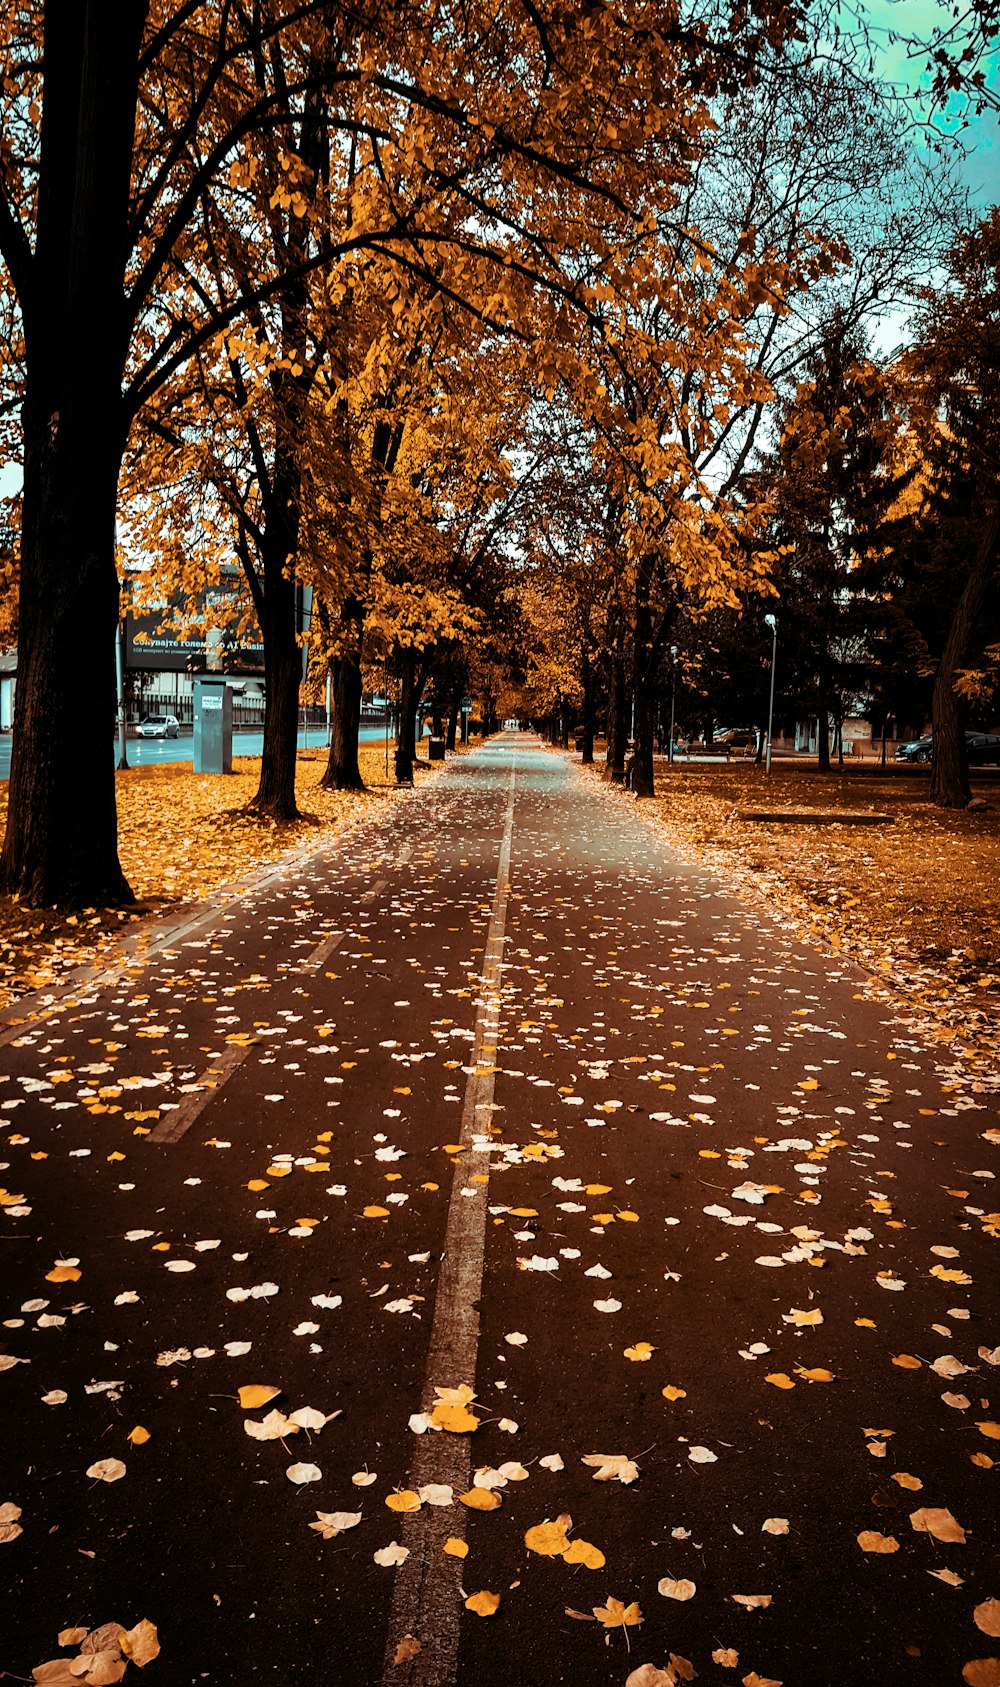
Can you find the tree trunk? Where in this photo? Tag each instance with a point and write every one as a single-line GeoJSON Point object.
{"type": "Point", "coordinates": [823, 736]}
{"type": "Point", "coordinates": [587, 731]}
{"type": "Point", "coordinates": [645, 721]}
{"type": "Point", "coordinates": [342, 770]}
{"type": "Point", "coordinates": [950, 763]}
{"type": "Point", "coordinates": [617, 721]}
{"type": "Point", "coordinates": [61, 845]}
{"type": "Point", "coordinates": [282, 656]}
{"type": "Point", "coordinates": [643, 687]}
{"type": "Point", "coordinates": [406, 748]}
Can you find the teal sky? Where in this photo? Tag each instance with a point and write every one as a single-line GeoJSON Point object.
{"type": "Point", "coordinates": [978, 143]}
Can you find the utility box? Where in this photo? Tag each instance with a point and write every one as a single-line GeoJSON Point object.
{"type": "Point", "coordinates": [213, 726]}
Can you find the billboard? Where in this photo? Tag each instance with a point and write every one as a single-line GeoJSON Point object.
{"type": "Point", "coordinates": [151, 643]}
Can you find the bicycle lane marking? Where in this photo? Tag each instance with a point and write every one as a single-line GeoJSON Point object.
{"type": "Point", "coordinates": [179, 1119]}
{"type": "Point", "coordinates": [426, 1603]}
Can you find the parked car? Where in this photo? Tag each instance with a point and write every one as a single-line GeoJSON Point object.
{"type": "Point", "coordinates": [983, 748]}
{"type": "Point", "coordinates": [737, 738]}
{"type": "Point", "coordinates": [159, 726]}
{"type": "Point", "coordinates": [919, 749]}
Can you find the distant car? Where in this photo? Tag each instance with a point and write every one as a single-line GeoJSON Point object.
{"type": "Point", "coordinates": [983, 748]}
{"type": "Point", "coordinates": [159, 726]}
{"type": "Point", "coordinates": [737, 738]}
{"type": "Point", "coordinates": [919, 749]}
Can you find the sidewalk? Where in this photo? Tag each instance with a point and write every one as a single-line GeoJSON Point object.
{"type": "Point", "coordinates": [500, 1098]}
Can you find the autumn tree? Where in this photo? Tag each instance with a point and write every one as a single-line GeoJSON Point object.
{"type": "Point", "coordinates": [955, 374]}
{"type": "Point", "coordinates": [122, 117]}
{"type": "Point", "coordinates": [831, 484]}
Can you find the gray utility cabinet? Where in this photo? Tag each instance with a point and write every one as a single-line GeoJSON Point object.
{"type": "Point", "coordinates": [213, 726]}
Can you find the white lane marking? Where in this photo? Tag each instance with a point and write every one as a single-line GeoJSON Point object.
{"type": "Point", "coordinates": [180, 1119]}
{"type": "Point", "coordinates": [425, 1600]}
{"type": "Point", "coordinates": [325, 949]}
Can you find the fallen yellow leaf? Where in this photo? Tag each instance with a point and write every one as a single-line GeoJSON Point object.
{"type": "Point", "coordinates": [870, 1540]}
{"type": "Point", "coordinates": [484, 1604]}
{"type": "Point", "coordinates": [405, 1500]}
{"type": "Point", "coordinates": [457, 1419]}
{"type": "Point", "coordinates": [581, 1552]}
{"type": "Point", "coordinates": [481, 1499]}
{"type": "Point", "coordinates": [939, 1522]}
{"type": "Point", "coordinates": [256, 1394]}
{"type": "Point", "coordinates": [549, 1540]}
{"type": "Point", "coordinates": [617, 1615]}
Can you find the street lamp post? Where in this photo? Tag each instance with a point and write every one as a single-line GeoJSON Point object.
{"type": "Point", "coordinates": [772, 622]}
{"type": "Point", "coordinates": [123, 760]}
{"type": "Point", "coordinates": [673, 701]}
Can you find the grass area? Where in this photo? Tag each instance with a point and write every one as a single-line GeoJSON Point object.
{"type": "Point", "coordinates": [915, 901]}
{"type": "Point", "coordinates": [181, 837]}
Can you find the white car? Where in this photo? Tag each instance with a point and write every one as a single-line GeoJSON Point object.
{"type": "Point", "coordinates": [159, 726]}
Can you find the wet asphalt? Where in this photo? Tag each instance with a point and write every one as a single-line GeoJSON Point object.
{"type": "Point", "coordinates": [709, 1141]}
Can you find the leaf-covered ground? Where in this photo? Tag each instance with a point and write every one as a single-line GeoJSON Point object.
{"type": "Point", "coordinates": [182, 835]}
{"type": "Point", "coordinates": [915, 901]}
{"type": "Point", "coordinates": [495, 1249]}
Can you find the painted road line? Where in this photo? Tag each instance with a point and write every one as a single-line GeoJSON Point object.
{"type": "Point", "coordinates": [163, 938]}
{"type": "Point", "coordinates": [180, 1119]}
{"type": "Point", "coordinates": [334, 939]}
{"type": "Point", "coordinates": [323, 951]}
{"type": "Point", "coordinates": [426, 1602]}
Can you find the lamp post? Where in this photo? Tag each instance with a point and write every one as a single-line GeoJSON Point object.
{"type": "Point", "coordinates": [772, 622]}
{"type": "Point", "coordinates": [123, 761]}
{"type": "Point", "coordinates": [673, 700]}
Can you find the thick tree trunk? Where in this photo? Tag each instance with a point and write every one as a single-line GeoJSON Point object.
{"type": "Point", "coordinates": [61, 843]}
{"type": "Point", "coordinates": [587, 732]}
{"type": "Point", "coordinates": [342, 770]}
{"type": "Point", "coordinates": [645, 720]}
{"type": "Point", "coordinates": [406, 747]}
{"type": "Point", "coordinates": [950, 763]}
{"type": "Point", "coordinates": [617, 721]}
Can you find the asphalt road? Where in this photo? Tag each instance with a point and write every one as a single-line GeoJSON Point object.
{"type": "Point", "coordinates": [499, 1097]}
{"type": "Point", "coordinates": [149, 752]}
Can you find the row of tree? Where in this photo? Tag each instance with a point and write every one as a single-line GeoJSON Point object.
{"type": "Point", "coordinates": [879, 495]}
{"type": "Point", "coordinates": [482, 322]}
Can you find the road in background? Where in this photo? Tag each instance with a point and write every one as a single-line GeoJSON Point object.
{"type": "Point", "coordinates": [150, 752]}
{"type": "Point", "coordinates": [498, 1103]}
